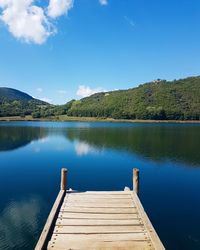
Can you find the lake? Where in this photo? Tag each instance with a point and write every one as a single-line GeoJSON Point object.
{"type": "Point", "coordinates": [100, 156]}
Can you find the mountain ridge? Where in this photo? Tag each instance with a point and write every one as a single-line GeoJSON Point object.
{"type": "Point", "coordinates": [11, 94]}
{"type": "Point", "coordinates": [156, 100]}
{"type": "Point", "coordinates": [160, 99]}
{"type": "Point", "coordinates": [14, 102]}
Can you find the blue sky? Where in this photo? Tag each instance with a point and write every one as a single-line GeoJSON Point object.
{"type": "Point", "coordinates": [84, 46]}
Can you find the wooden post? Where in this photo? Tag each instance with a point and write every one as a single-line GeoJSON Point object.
{"type": "Point", "coordinates": [136, 180]}
{"type": "Point", "coordinates": [63, 183]}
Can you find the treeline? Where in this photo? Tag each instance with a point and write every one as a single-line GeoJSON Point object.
{"type": "Point", "coordinates": [35, 108]}
{"type": "Point", "coordinates": [52, 110]}
{"type": "Point", "coordinates": [158, 100]}
{"type": "Point", "coordinates": [20, 107]}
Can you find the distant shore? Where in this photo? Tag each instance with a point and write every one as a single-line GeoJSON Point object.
{"type": "Point", "coordinates": [64, 118]}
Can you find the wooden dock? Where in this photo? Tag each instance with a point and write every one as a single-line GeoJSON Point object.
{"type": "Point", "coordinates": [98, 221]}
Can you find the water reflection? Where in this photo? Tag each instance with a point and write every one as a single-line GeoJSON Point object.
{"type": "Point", "coordinates": [99, 157]}
{"type": "Point", "coordinates": [19, 223]}
{"type": "Point", "coordinates": [83, 148]}
{"type": "Point", "coordinates": [155, 142]}
{"type": "Point", "coordinates": [15, 137]}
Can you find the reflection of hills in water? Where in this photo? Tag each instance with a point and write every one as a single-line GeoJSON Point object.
{"type": "Point", "coordinates": [15, 137]}
{"type": "Point", "coordinates": [156, 143]}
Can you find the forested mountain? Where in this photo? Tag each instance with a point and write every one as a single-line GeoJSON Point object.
{"type": "Point", "coordinates": [159, 100]}
{"type": "Point", "coordinates": [14, 103]}
{"type": "Point", "coordinates": [8, 94]}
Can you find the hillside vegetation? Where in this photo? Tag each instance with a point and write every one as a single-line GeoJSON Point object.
{"type": "Point", "coordinates": [16, 103]}
{"type": "Point", "coordinates": [179, 99]}
{"type": "Point", "coordinates": [158, 100]}
{"type": "Point", "coordinates": [8, 94]}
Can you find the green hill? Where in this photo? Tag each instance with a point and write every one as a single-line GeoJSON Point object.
{"type": "Point", "coordinates": [9, 94]}
{"type": "Point", "coordinates": [157, 100]}
{"type": "Point", "coordinates": [14, 103]}
{"type": "Point", "coordinates": [178, 99]}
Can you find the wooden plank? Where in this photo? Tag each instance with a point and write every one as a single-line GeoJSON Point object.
{"type": "Point", "coordinates": [100, 220]}
{"type": "Point", "coordinates": [97, 216]}
{"type": "Point", "coordinates": [97, 222]}
{"type": "Point", "coordinates": [43, 237]}
{"type": "Point", "coordinates": [97, 204]}
{"type": "Point", "coordinates": [99, 210]}
{"type": "Point", "coordinates": [100, 196]}
{"type": "Point", "coordinates": [96, 199]}
{"type": "Point", "coordinates": [102, 193]}
{"type": "Point", "coordinates": [141, 236]}
{"type": "Point", "coordinates": [97, 229]}
{"type": "Point", "coordinates": [93, 199]}
{"type": "Point", "coordinates": [108, 245]}
{"type": "Point", "coordinates": [121, 192]}
{"type": "Point", "coordinates": [147, 224]}
{"type": "Point", "coordinates": [108, 192]}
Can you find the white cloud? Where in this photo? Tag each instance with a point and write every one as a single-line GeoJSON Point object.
{"type": "Point", "coordinates": [84, 91]}
{"type": "Point", "coordinates": [46, 99]}
{"type": "Point", "coordinates": [57, 8]}
{"type": "Point", "coordinates": [103, 2]}
{"type": "Point", "coordinates": [26, 21]}
{"type": "Point", "coordinates": [61, 92]}
{"type": "Point", "coordinates": [29, 22]}
{"type": "Point", "coordinates": [39, 90]}
{"type": "Point", "coordinates": [32, 23]}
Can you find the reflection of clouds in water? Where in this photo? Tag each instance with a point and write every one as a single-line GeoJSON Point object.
{"type": "Point", "coordinates": [82, 125]}
{"type": "Point", "coordinates": [36, 144]}
{"type": "Point", "coordinates": [19, 223]}
{"type": "Point", "coordinates": [43, 140]}
{"type": "Point", "coordinates": [83, 148]}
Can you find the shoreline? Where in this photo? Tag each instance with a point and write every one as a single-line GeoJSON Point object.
{"type": "Point", "coordinates": [65, 118]}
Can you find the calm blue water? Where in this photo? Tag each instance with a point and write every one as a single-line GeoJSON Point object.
{"type": "Point", "coordinates": [99, 156]}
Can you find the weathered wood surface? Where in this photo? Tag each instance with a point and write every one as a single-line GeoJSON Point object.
{"type": "Point", "coordinates": [103, 220]}
{"type": "Point", "coordinates": [63, 181]}
{"type": "Point", "coordinates": [43, 237]}
{"type": "Point", "coordinates": [136, 180]}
